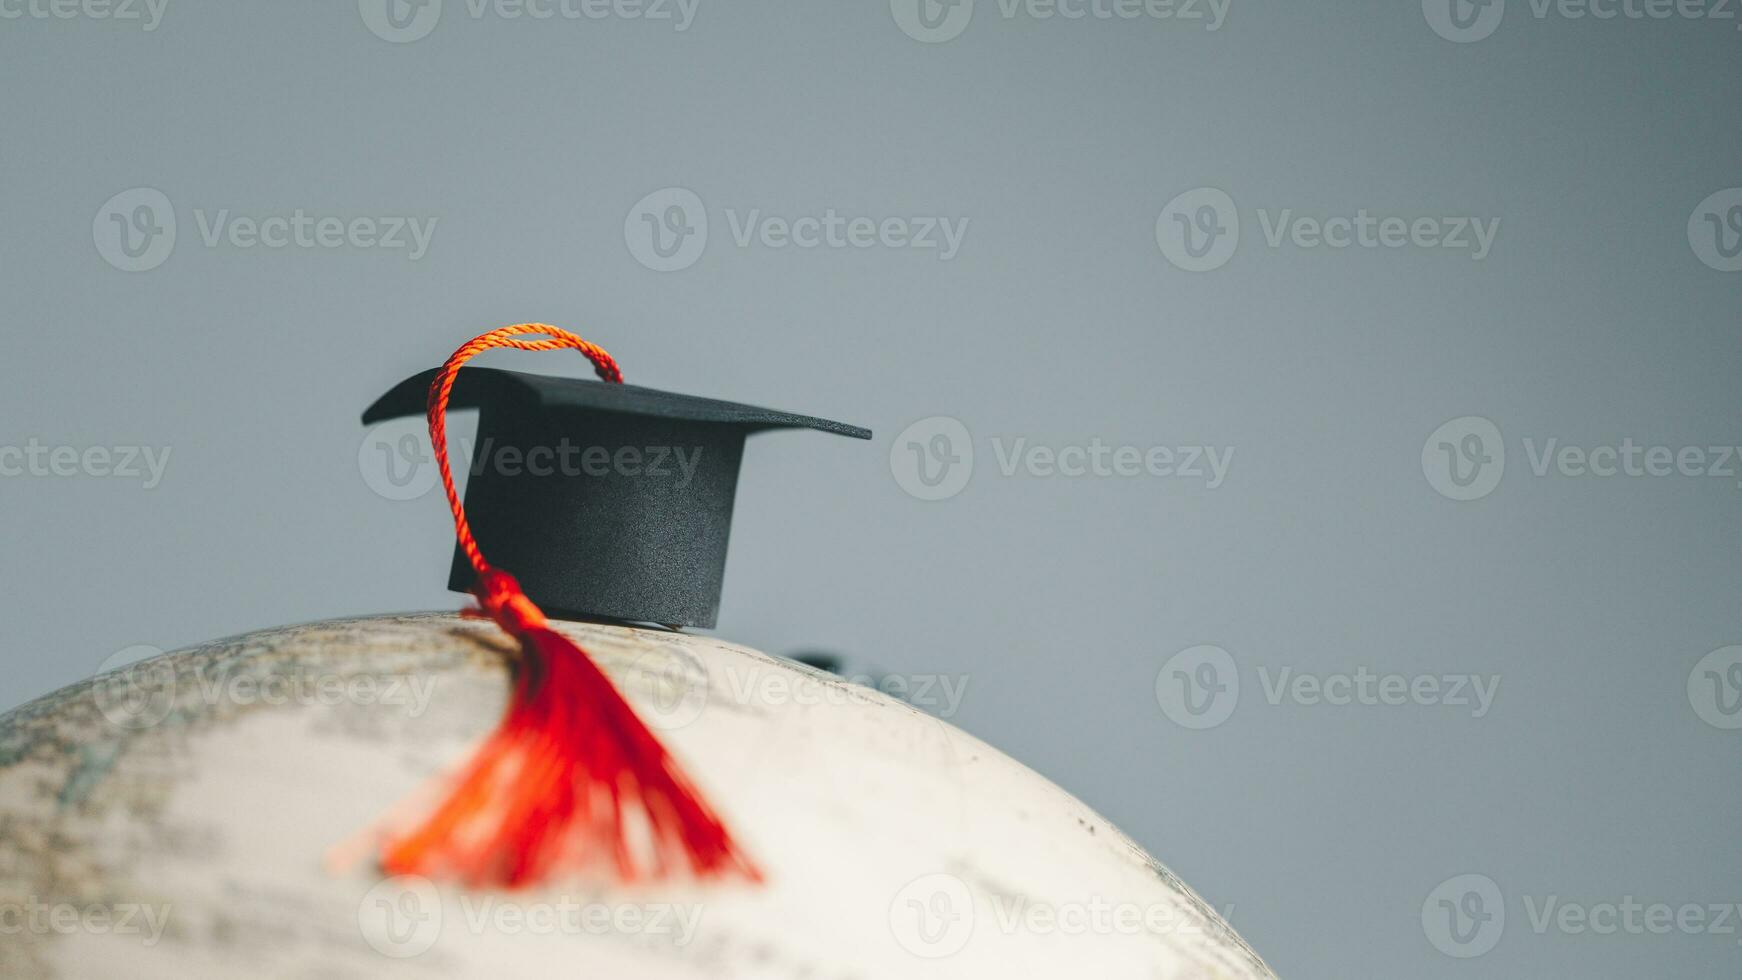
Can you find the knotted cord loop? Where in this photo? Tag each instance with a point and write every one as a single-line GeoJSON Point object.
{"type": "Point", "coordinates": [498, 593]}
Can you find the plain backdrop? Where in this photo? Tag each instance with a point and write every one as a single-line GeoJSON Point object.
{"type": "Point", "coordinates": [1059, 321]}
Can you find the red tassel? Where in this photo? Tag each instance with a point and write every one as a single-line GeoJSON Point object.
{"type": "Point", "coordinates": [571, 779]}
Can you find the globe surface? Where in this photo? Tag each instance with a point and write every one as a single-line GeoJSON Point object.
{"type": "Point", "coordinates": [212, 813]}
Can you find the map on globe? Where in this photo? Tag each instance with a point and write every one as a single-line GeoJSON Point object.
{"type": "Point", "coordinates": [214, 812]}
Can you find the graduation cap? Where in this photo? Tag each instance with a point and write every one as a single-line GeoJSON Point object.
{"type": "Point", "coordinates": [607, 501]}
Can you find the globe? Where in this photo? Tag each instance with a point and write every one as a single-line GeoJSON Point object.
{"type": "Point", "coordinates": [214, 813]}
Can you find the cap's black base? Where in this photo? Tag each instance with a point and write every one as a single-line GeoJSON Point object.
{"type": "Point", "coordinates": [617, 516]}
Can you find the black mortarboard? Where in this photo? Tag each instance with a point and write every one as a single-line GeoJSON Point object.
{"type": "Point", "coordinates": [605, 500]}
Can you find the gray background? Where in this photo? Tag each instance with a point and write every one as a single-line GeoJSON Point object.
{"type": "Point", "coordinates": [1592, 779]}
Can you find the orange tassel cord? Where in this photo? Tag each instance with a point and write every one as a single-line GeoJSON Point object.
{"type": "Point", "coordinates": [571, 778]}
